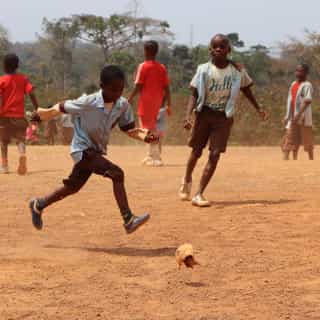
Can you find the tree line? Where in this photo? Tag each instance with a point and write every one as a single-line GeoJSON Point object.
{"type": "Point", "coordinates": [65, 59]}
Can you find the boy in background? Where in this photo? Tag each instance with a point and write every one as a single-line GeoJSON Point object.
{"type": "Point", "coordinates": [215, 88]}
{"type": "Point", "coordinates": [152, 85]}
{"type": "Point", "coordinates": [298, 119]}
{"type": "Point", "coordinates": [13, 88]}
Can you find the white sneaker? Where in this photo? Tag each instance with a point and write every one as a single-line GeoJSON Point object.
{"type": "Point", "coordinates": [200, 201]}
{"type": "Point", "coordinates": [157, 163]}
{"type": "Point", "coordinates": [4, 170]}
{"type": "Point", "coordinates": [147, 161]}
{"type": "Point", "coordinates": [185, 190]}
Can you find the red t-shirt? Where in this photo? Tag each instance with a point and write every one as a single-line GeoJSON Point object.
{"type": "Point", "coordinates": [13, 88]}
{"type": "Point", "coordinates": [153, 77]}
{"type": "Point", "coordinates": [294, 90]}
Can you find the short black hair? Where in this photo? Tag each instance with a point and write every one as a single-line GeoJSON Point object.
{"type": "Point", "coordinates": [151, 46]}
{"type": "Point", "coordinates": [305, 67]}
{"type": "Point", "coordinates": [110, 73]}
{"type": "Point", "coordinates": [223, 37]}
{"type": "Point", "coordinates": [10, 62]}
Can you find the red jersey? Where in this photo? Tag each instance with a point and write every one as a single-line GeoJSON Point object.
{"type": "Point", "coordinates": [13, 88]}
{"type": "Point", "coordinates": [153, 77]}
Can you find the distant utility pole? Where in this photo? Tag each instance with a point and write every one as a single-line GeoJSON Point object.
{"type": "Point", "coordinates": [191, 35]}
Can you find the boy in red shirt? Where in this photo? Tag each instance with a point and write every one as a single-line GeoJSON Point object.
{"type": "Point", "coordinates": [13, 88]}
{"type": "Point", "coordinates": [152, 85]}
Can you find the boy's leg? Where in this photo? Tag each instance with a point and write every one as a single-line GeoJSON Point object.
{"type": "Point", "coordinates": [78, 177]}
{"type": "Point", "coordinates": [106, 168]}
{"type": "Point", "coordinates": [22, 166]}
{"type": "Point", "coordinates": [4, 158]}
{"type": "Point", "coordinates": [218, 143]}
{"type": "Point", "coordinates": [4, 142]}
{"type": "Point", "coordinates": [308, 141]}
{"type": "Point", "coordinates": [198, 141]}
{"type": "Point", "coordinates": [209, 170]}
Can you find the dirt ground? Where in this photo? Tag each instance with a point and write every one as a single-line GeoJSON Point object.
{"type": "Point", "coordinates": [259, 244]}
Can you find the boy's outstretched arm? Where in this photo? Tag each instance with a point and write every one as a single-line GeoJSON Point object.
{"type": "Point", "coordinates": [249, 95]}
{"type": "Point", "coordinates": [47, 114]}
{"type": "Point", "coordinates": [34, 100]}
{"type": "Point", "coordinates": [136, 90]}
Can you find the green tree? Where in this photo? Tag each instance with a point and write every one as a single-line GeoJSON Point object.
{"type": "Point", "coordinates": [117, 32]}
{"type": "Point", "coordinates": [59, 36]}
{"type": "Point", "coordinates": [235, 40]}
{"type": "Point", "coordinates": [4, 42]}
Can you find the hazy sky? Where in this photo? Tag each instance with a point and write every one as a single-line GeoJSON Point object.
{"type": "Point", "coordinates": [257, 21]}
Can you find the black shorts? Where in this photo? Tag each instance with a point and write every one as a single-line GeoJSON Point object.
{"type": "Point", "coordinates": [212, 126]}
{"type": "Point", "coordinates": [91, 162]}
{"type": "Point", "coordinates": [13, 128]}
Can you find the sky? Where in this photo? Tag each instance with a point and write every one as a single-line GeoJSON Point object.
{"type": "Point", "coordinates": [264, 22]}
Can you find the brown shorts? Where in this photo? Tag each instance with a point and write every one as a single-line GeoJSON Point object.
{"type": "Point", "coordinates": [13, 128]}
{"type": "Point", "coordinates": [212, 126]}
{"type": "Point", "coordinates": [297, 135]}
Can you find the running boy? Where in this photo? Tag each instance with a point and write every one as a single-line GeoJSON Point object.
{"type": "Point", "coordinates": [152, 85]}
{"type": "Point", "coordinates": [94, 116]}
{"type": "Point", "coordinates": [215, 88]}
{"type": "Point", "coordinates": [13, 88]}
{"type": "Point", "coordinates": [298, 119]}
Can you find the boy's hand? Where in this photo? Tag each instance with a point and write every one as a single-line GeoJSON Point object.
{"type": "Point", "coordinates": [35, 117]}
{"type": "Point", "coordinates": [144, 135]}
{"type": "Point", "coordinates": [263, 115]}
{"type": "Point", "coordinates": [188, 124]}
{"type": "Point", "coordinates": [298, 119]}
{"type": "Point", "coordinates": [284, 121]}
{"type": "Point", "coordinates": [151, 137]}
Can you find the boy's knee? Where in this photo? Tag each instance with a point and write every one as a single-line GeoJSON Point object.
{"type": "Point", "coordinates": [116, 174]}
{"type": "Point", "coordinates": [214, 156]}
{"type": "Point", "coordinates": [197, 153]}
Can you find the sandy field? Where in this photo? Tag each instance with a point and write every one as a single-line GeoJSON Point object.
{"type": "Point", "coordinates": [259, 244]}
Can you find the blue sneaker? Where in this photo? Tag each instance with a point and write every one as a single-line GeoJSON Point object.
{"type": "Point", "coordinates": [136, 222]}
{"type": "Point", "coordinates": [36, 214]}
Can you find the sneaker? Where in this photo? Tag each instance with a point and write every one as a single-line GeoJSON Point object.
{"type": "Point", "coordinates": [4, 169]}
{"type": "Point", "coordinates": [136, 222]}
{"type": "Point", "coordinates": [22, 167]}
{"type": "Point", "coordinates": [157, 163]}
{"type": "Point", "coordinates": [200, 201]}
{"type": "Point", "coordinates": [185, 190]}
{"type": "Point", "coordinates": [36, 214]}
{"type": "Point", "coordinates": [147, 160]}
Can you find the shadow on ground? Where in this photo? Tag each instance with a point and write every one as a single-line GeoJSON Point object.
{"type": "Point", "coordinates": [124, 251]}
{"type": "Point", "coordinates": [251, 202]}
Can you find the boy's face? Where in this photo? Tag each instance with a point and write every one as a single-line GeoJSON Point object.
{"type": "Point", "coordinates": [113, 91]}
{"type": "Point", "coordinates": [219, 49]}
{"type": "Point", "coordinates": [301, 73]}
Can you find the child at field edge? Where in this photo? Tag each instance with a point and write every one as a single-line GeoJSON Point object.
{"type": "Point", "coordinates": [94, 116]}
{"type": "Point", "coordinates": [13, 88]}
{"type": "Point", "coordinates": [215, 88]}
{"type": "Point", "coordinates": [298, 119]}
{"type": "Point", "coordinates": [152, 85]}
